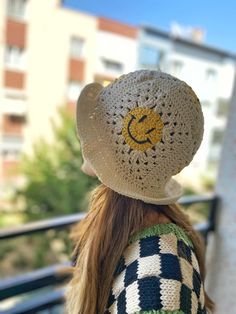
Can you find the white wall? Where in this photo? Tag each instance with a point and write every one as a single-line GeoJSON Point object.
{"type": "Point", "coordinates": [115, 48]}
{"type": "Point", "coordinates": [48, 51]}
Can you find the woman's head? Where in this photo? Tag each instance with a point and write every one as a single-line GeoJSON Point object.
{"type": "Point", "coordinates": [143, 129]}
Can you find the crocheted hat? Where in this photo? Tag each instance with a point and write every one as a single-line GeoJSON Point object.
{"type": "Point", "coordinates": [139, 131]}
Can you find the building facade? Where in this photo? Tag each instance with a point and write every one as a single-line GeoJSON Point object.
{"type": "Point", "coordinates": [49, 52]}
{"type": "Point", "coordinates": [116, 50]}
{"type": "Point", "coordinates": [209, 71]}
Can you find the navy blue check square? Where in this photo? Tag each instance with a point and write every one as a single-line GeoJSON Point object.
{"type": "Point", "coordinates": [131, 273]}
{"type": "Point", "coordinates": [170, 267]}
{"type": "Point", "coordinates": [152, 299]}
{"type": "Point", "coordinates": [149, 246]}
{"type": "Point", "coordinates": [184, 251]}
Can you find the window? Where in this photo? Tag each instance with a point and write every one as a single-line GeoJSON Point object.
{"type": "Point", "coordinates": [103, 80]}
{"type": "Point", "coordinates": [216, 146]}
{"type": "Point", "coordinates": [77, 47]}
{"type": "Point", "coordinates": [74, 89]}
{"type": "Point", "coordinates": [177, 67]}
{"type": "Point", "coordinates": [10, 154]}
{"type": "Point", "coordinates": [11, 147]}
{"type": "Point", "coordinates": [211, 75]}
{"type": "Point", "coordinates": [206, 104]}
{"type": "Point", "coordinates": [217, 137]}
{"type": "Point", "coordinates": [222, 107]}
{"type": "Point", "coordinates": [16, 8]}
{"type": "Point", "coordinates": [113, 66]}
{"type": "Point", "coordinates": [150, 57]}
{"type": "Point", "coordinates": [14, 57]}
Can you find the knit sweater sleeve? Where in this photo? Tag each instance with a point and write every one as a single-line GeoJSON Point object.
{"type": "Point", "coordinates": [158, 275]}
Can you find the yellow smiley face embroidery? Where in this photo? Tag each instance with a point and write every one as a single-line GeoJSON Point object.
{"type": "Point", "coordinates": [142, 128]}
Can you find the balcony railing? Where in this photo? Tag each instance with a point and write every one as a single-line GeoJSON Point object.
{"type": "Point", "coordinates": [49, 277]}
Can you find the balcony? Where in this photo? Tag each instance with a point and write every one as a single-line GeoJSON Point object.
{"type": "Point", "coordinates": [16, 107]}
{"type": "Point", "coordinates": [29, 293]}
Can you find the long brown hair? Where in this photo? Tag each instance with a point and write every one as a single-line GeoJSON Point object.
{"type": "Point", "coordinates": [101, 239]}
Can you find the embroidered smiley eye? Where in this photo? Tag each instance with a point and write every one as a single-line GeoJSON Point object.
{"type": "Point", "coordinates": [142, 128]}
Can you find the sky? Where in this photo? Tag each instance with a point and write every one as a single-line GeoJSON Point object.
{"type": "Point", "coordinates": [216, 17]}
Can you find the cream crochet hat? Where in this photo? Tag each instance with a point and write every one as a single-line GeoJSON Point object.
{"type": "Point", "coordinates": [139, 131]}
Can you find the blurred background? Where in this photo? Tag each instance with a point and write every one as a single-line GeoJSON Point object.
{"type": "Point", "coordinates": [49, 50]}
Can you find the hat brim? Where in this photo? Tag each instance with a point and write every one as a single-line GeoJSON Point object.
{"type": "Point", "coordinates": [92, 139]}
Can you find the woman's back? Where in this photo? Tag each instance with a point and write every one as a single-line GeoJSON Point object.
{"type": "Point", "coordinates": [158, 273]}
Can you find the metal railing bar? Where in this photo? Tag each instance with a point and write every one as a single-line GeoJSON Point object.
{"type": "Point", "coordinates": [34, 280]}
{"type": "Point", "coordinates": [192, 199]}
{"type": "Point", "coordinates": [203, 229]}
{"type": "Point", "coordinates": [213, 213]}
{"type": "Point", "coordinates": [34, 305]}
{"type": "Point", "coordinates": [43, 225]}
{"type": "Point", "coordinates": [65, 221]}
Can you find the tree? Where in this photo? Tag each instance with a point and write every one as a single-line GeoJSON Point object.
{"type": "Point", "coordinates": [55, 184]}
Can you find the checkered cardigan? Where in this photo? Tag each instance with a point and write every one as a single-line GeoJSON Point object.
{"type": "Point", "coordinates": [158, 274]}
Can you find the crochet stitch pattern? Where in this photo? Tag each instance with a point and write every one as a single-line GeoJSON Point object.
{"type": "Point", "coordinates": [157, 274]}
{"type": "Point", "coordinates": [143, 128]}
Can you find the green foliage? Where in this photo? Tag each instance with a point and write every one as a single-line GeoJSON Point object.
{"type": "Point", "coordinates": [208, 183]}
{"type": "Point", "coordinates": [197, 212]}
{"type": "Point", "coordinates": [28, 253]}
{"type": "Point", "coordinates": [55, 184]}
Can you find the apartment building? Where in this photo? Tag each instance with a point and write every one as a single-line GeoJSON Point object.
{"type": "Point", "coordinates": [210, 72]}
{"type": "Point", "coordinates": [46, 56]}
